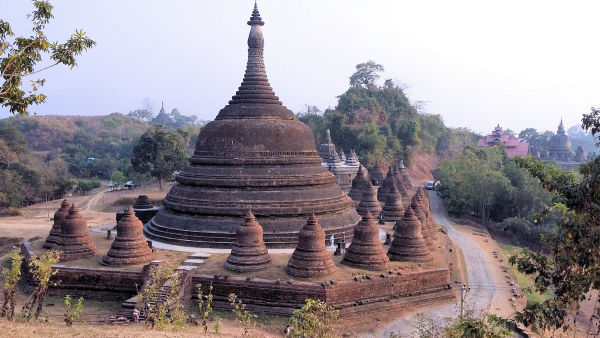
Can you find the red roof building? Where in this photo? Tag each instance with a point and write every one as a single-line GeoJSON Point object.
{"type": "Point", "coordinates": [513, 146]}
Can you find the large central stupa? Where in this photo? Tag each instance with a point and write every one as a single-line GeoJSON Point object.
{"type": "Point", "coordinates": [255, 156]}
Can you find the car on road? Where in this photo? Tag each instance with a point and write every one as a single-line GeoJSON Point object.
{"type": "Point", "coordinates": [432, 185]}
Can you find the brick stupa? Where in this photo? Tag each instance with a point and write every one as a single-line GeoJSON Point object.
{"type": "Point", "coordinates": [405, 176]}
{"type": "Point", "coordinates": [417, 205]}
{"type": "Point", "coordinates": [384, 187]}
{"type": "Point", "coordinates": [359, 183]}
{"type": "Point", "coordinates": [75, 240]}
{"type": "Point", "coordinates": [369, 201]}
{"type": "Point", "coordinates": [431, 227]}
{"type": "Point", "coordinates": [130, 246]}
{"type": "Point", "coordinates": [376, 175]}
{"type": "Point", "coordinates": [255, 155]}
{"type": "Point", "coordinates": [366, 251]}
{"type": "Point", "coordinates": [59, 215]}
{"type": "Point", "coordinates": [249, 252]}
{"type": "Point", "coordinates": [311, 259]}
{"type": "Point", "coordinates": [143, 208]}
{"type": "Point", "coordinates": [400, 182]}
{"type": "Point", "coordinates": [409, 244]}
{"type": "Point", "coordinates": [393, 210]}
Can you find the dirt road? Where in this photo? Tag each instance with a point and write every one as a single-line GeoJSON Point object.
{"type": "Point", "coordinates": [479, 272]}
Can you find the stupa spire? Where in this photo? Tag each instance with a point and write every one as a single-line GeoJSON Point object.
{"type": "Point", "coordinates": [255, 87]}
{"type": "Point", "coordinates": [561, 127]}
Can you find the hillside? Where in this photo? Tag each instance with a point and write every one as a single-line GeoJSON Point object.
{"type": "Point", "coordinates": [45, 133]}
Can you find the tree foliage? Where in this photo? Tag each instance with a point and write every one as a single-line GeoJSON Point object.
{"type": "Point", "coordinates": [11, 276]}
{"type": "Point", "coordinates": [485, 182]}
{"type": "Point", "coordinates": [160, 152]}
{"type": "Point", "coordinates": [42, 271]}
{"type": "Point", "coordinates": [314, 319]}
{"type": "Point", "coordinates": [366, 73]}
{"type": "Point", "coordinates": [572, 266]}
{"type": "Point", "coordinates": [382, 125]}
{"type": "Point", "coordinates": [19, 56]}
{"type": "Point", "coordinates": [163, 312]}
{"type": "Point", "coordinates": [486, 326]}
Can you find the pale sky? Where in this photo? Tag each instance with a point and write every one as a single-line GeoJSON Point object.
{"type": "Point", "coordinates": [476, 63]}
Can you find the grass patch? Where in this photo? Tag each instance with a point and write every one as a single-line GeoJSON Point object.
{"type": "Point", "coordinates": [524, 280]}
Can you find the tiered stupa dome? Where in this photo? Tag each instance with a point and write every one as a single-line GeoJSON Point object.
{"type": "Point", "coordinates": [385, 187]}
{"type": "Point", "coordinates": [130, 246]}
{"type": "Point", "coordinates": [559, 146]}
{"type": "Point", "coordinates": [143, 208]}
{"type": "Point", "coordinates": [311, 259]}
{"type": "Point", "coordinates": [393, 210]}
{"type": "Point", "coordinates": [417, 206]}
{"type": "Point", "coordinates": [254, 155]}
{"type": "Point", "coordinates": [366, 251]}
{"type": "Point", "coordinates": [409, 244]}
{"type": "Point", "coordinates": [369, 201]}
{"type": "Point", "coordinates": [75, 240]}
{"type": "Point", "coordinates": [359, 183]}
{"type": "Point", "coordinates": [376, 174]}
{"type": "Point", "coordinates": [249, 252]}
{"type": "Point", "coordinates": [405, 176]}
{"type": "Point", "coordinates": [59, 215]}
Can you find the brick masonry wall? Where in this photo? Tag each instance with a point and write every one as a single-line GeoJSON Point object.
{"type": "Point", "coordinates": [350, 297]}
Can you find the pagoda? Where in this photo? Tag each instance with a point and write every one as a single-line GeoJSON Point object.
{"type": "Point", "coordinates": [369, 201]}
{"type": "Point", "coordinates": [366, 251]}
{"type": "Point", "coordinates": [409, 244]}
{"type": "Point", "coordinates": [311, 259]}
{"type": "Point", "coordinates": [130, 246]}
{"type": "Point", "coordinates": [59, 215]}
{"type": "Point", "coordinates": [417, 206]}
{"type": "Point", "coordinates": [386, 185]}
{"type": "Point", "coordinates": [75, 241]}
{"type": "Point", "coordinates": [393, 210]}
{"type": "Point", "coordinates": [359, 183]}
{"type": "Point", "coordinates": [249, 252]}
{"type": "Point", "coordinates": [376, 175]}
{"type": "Point", "coordinates": [254, 155]}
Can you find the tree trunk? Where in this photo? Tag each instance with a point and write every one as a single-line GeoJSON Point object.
{"type": "Point", "coordinates": [160, 183]}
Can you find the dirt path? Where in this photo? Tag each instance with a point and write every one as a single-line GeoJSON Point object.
{"type": "Point", "coordinates": [479, 272]}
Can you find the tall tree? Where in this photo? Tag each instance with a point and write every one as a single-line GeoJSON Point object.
{"type": "Point", "coordinates": [19, 57]}
{"type": "Point", "coordinates": [160, 152]}
{"type": "Point", "coordinates": [366, 73]}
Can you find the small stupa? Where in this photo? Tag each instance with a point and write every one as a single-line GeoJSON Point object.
{"type": "Point", "coordinates": [376, 174]}
{"type": "Point", "coordinates": [409, 244]}
{"type": "Point", "coordinates": [417, 206]}
{"type": "Point", "coordinates": [358, 186]}
{"type": "Point", "coordinates": [400, 182]}
{"type": "Point", "coordinates": [366, 251]}
{"type": "Point", "coordinates": [384, 187]}
{"type": "Point", "coordinates": [59, 215]}
{"type": "Point", "coordinates": [405, 177]}
{"type": "Point", "coordinates": [75, 241]}
{"type": "Point", "coordinates": [431, 227]}
{"type": "Point", "coordinates": [393, 210]}
{"type": "Point", "coordinates": [311, 259]}
{"type": "Point", "coordinates": [249, 252]}
{"type": "Point", "coordinates": [369, 201]}
{"type": "Point", "coordinates": [130, 246]}
{"type": "Point", "coordinates": [143, 208]}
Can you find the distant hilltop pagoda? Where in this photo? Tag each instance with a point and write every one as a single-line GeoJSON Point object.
{"type": "Point", "coordinates": [255, 155]}
{"type": "Point", "coordinates": [559, 146]}
{"type": "Point", "coordinates": [513, 146]}
{"type": "Point", "coordinates": [559, 149]}
{"type": "Point", "coordinates": [344, 167]}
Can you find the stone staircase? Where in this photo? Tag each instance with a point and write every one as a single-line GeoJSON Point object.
{"type": "Point", "coordinates": [125, 314]}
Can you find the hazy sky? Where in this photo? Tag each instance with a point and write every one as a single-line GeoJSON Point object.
{"type": "Point", "coordinates": [477, 63]}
